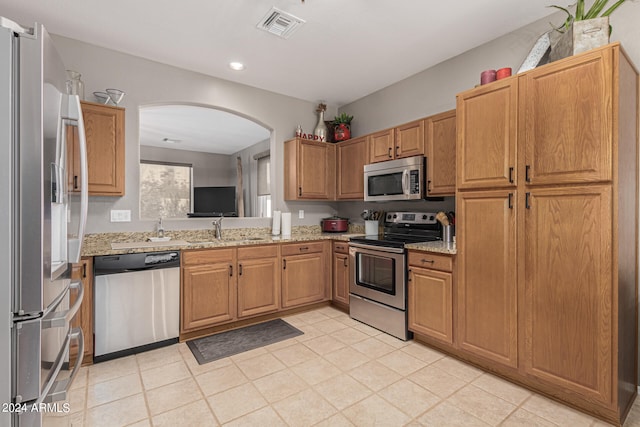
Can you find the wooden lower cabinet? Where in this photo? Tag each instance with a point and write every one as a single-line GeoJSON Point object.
{"type": "Point", "coordinates": [305, 276]}
{"type": "Point", "coordinates": [486, 281]}
{"type": "Point", "coordinates": [84, 318]}
{"type": "Point", "coordinates": [568, 290]}
{"type": "Point", "coordinates": [221, 286]}
{"type": "Point", "coordinates": [430, 300]}
{"type": "Point", "coordinates": [258, 280]}
{"type": "Point", "coordinates": [208, 288]}
{"type": "Point", "coordinates": [341, 276]}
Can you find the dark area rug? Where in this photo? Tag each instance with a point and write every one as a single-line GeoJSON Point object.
{"type": "Point", "coordinates": [228, 343]}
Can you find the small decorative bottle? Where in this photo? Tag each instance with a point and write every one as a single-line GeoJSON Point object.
{"type": "Point", "coordinates": [75, 86]}
{"type": "Point", "coordinates": [320, 132]}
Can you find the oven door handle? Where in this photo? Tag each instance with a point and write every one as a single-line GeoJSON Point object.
{"type": "Point", "coordinates": [377, 248]}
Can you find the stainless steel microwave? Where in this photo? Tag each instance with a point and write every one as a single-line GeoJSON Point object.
{"type": "Point", "coordinates": [401, 179]}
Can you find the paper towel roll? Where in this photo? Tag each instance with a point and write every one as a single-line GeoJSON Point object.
{"type": "Point", "coordinates": [286, 224]}
{"type": "Point", "coordinates": [275, 228]}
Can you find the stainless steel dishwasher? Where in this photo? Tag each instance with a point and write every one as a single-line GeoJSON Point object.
{"type": "Point", "coordinates": [137, 303]}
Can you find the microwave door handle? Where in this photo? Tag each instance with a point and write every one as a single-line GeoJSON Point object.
{"type": "Point", "coordinates": [405, 182]}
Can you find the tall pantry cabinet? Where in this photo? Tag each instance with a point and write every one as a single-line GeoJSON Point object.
{"type": "Point", "coordinates": [547, 209]}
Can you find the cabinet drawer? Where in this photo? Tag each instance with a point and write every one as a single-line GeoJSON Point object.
{"type": "Point", "coordinates": [262, 251]}
{"type": "Point", "coordinates": [341, 247]}
{"type": "Point", "coordinates": [430, 260]}
{"type": "Point", "coordinates": [302, 248]}
{"type": "Point", "coordinates": [207, 256]}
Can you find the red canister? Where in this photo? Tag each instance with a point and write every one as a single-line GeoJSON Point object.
{"type": "Point", "coordinates": [502, 73]}
{"type": "Point", "coordinates": [487, 76]}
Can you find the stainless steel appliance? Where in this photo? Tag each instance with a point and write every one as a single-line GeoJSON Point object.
{"type": "Point", "coordinates": [41, 228]}
{"type": "Point", "coordinates": [378, 287]}
{"type": "Point", "coordinates": [137, 303]}
{"type": "Point", "coordinates": [402, 179]}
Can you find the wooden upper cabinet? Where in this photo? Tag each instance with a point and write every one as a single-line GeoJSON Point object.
{"type": "Point", "coordinates": [486, 136]}
{"type": "Point", "coordinates": [486, 280]}
{"type": "Point", "coordinates": [104, 128]}
{"type": "Point", "coordinates": [381, 146]}
{"type": "Point", "coordinates": [440, 142]}
{"type": "Point", "coordinates": [351, 156]}
{"type": "Point", "coordinates": [567, 120]}
{"type": "Point", "coordinates": [568, 310]}
{"type": "Point", "coordinates": [309, 170]}
{"type": "Point", "coordinates": [409, 140]}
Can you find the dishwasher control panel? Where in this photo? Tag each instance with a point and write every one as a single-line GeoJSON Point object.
{"type": "Point", "coordinates": [113, 264]}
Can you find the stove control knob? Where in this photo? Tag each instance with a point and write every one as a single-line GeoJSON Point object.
{"type": "Point", "coordinates": [424, 217]}
{"type": "Point", "coordinates": [395, 216]}
{"type": "Point", "coordinates": [432, 217]}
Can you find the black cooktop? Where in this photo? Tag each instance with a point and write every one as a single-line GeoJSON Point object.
{"type": "Point", "coordinates": [402, 228]}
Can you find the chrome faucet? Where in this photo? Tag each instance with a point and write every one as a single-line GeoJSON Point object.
{"type": "Point", "coordinates": [160, 228]}
{"type": "Point", "coordinates": [217, 226]}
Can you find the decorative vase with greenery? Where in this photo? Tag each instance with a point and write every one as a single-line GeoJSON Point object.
{"type": "Point", "coordinates": [342, 127]}
{"type": "Point", "coordinates": [584, 30]}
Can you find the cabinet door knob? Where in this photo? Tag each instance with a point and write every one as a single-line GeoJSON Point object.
{"type": "Point", "coordinates": [240, 270]}
{"type": "Point", "coordinates": [511, 174]}
{"type": "Point", "coordinates": [397, 148]}
{"type": "Point", "coordinates": [345, 262]}
{"type": "Point", "coordinates": [527, 170]}
{"type": "Point", "coordinates": [409, 275]}
{"type": "Point", "coordinates": [75, 182]}
{"type": "Point", "coordinates": [304, 248]}
{"type": "Point", "coordinates": [230, 270]}
{"type": "Point", "coordinates": [390, 156]}
{"type": "Point", "coordinates": [527, 203]}
{"type": "Point", "coordinates": [430, 261]}
{"type": "Point", "coordinates": [299, 191]}
{"type": "Point", "coordinates": [84, 270]}
{"type": "Point", "coordinates": [284, 264]}
{"type": "Point", "coordinates": [510, 201]}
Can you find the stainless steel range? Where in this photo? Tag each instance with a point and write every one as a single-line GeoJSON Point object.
{"type": "Point", "coordinates": [378, 288]}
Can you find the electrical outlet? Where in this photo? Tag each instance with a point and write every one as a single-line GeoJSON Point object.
{"type": "Point", "coordinates": [301, 214]}
{"type": "Point", "coordinates": [120, 215]}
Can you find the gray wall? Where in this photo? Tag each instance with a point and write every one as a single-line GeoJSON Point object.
{"type": "Point", "coordinates": [146, 82]}
{"type": "Point", "coordinates": [209, 169]}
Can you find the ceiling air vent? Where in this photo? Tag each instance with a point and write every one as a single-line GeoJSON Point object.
{"type": "Point", "coordinates": [280, 23]}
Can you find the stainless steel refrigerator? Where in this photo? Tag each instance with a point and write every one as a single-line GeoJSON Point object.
{"type": "Point", "coordinates": [41, 227]}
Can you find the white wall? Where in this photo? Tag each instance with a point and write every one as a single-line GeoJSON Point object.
{"type": "Point", "coordinates": [146, 82]}
{"type": "Point", "coordinates": [434, 89]}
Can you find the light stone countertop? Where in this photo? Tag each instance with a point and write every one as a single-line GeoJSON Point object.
{"type": "Point", "coordinates": [100, 243]}
{"type": "Point", "coordinates": [439, 247]}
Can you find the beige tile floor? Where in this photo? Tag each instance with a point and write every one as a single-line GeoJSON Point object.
{"type": "Point", "coordinates": [339, 373]}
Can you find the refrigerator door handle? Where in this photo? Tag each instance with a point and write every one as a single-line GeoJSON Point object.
{"type": "Point", "coordinates": [76, 119]}
{"type": "Point", "coordinates": [60, 388]}
{"type": "Point", "coordinates": [55, 370]}
{"type": "Point", "coordinates": [57, 319]}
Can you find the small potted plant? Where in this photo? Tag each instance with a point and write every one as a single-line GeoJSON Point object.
{"type": "Point", "coordinates": [584, 30]}
{"type": "Point", "coordinates": [342, 127]}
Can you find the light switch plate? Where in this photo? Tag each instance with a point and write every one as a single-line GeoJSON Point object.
{"type": "Point", "coordinates": [120, 215]}
{"type": "Point", "coordinates": [301, 214]}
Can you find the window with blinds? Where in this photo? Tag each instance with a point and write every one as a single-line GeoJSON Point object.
{"type": "Point", "coordinates": [165, 190]}
{"type": "Point", "coordinates": [264, 186]}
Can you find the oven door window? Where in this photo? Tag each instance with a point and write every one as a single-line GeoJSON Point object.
{"type": "Point", "coordinates": [376, 272]}
{"type": "Point", "coordinates": [385, 185]}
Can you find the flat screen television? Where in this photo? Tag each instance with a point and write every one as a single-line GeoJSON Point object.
{"type": "Point", "coordinates": [214, 201]}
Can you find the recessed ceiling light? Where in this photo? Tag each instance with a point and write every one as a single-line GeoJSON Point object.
{"type": "Point", "coordinates": [236, 66]}
{"type": "Point", "coordinates": [172, 141]}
